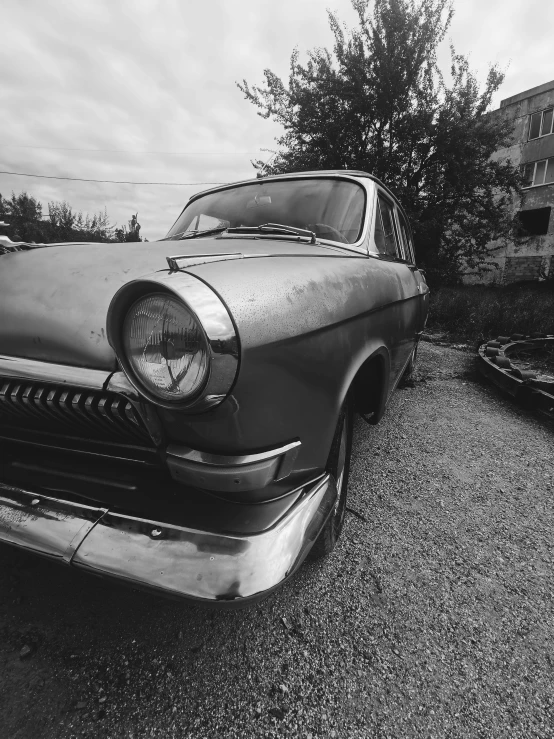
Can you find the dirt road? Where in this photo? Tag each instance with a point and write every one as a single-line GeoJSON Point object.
{"type": "Point", "coordinates": [433, 618]}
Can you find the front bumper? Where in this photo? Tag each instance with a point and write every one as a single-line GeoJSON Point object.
{"type": "Point", "coordinates": [173, 560]}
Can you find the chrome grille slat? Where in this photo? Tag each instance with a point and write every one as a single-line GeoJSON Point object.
{"type": "Point", "coordinates": [91, 411]}
{"type": "Point", "coordinates": [70, 411]}
{"type": "Point", "coordinates": [21, 398]}
{"type": "Point", "coordinates": [77, 409]}
{"type": "Point", "coordinates": [6, 406]}
{"type": "Point", "coordinates": [53, 406]}
{"type": "Point", "coordinates": [119, 408]}
{"type": "Point", "coordinates": [131, 415]}
{"type": "Point", "coordinates": [39, 400]}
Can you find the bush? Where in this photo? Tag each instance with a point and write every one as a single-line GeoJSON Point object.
{"type": "Point", "coordinates": [26, 222]}
{"type": "Point", "coordinates": [478, 313]}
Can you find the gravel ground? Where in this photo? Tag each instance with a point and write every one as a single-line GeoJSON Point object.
{"type": "Point", "coordinates": [433, 618]}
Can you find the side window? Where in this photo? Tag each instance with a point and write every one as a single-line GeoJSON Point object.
{"type": "Point", "coordinates": [406, 240]}
{"type": "Point", "coordinates": [385, 233]}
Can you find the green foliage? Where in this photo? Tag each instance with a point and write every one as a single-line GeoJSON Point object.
{"type": "Point", "coordinates": [24, 215]}
{"type": "Point", "coordinates": [379, 103]}
{"type": "Point", "coordinates": [132, 234]}
{"type": "Point", "coordinates": [76, 227]}
{"type": "Point", "coordinates": [27, 223]}
{"type": "Point", "coordinates": [122, 234]}
{"type": "Point", "coordinates": [479, 313]}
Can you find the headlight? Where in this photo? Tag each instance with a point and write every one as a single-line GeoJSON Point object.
{"type": "Point", "coordinates": [165, 347]}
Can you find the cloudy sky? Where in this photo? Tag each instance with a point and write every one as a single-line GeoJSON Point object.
{"type": "Point", "coordinates": [144, 90]}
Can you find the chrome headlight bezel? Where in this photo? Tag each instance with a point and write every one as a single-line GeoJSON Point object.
{"type": "Point", "coordinates": [165, 347]}
{"type": "Point", "coordinates": [213, 318]}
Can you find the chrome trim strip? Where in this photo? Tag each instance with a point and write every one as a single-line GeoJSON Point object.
{"type": "Point", "coordinates": [119, 383]}
{"type": "Point", "coordinates": [366, 181]}
{"type": "Point", "coordinates": [184, 262]}
{"type": "Point", "coordinates": [190, 260]}
{"type": "Point", "coordinates": [221, 460]}
{"type": "Point", "coordinates": [20, 368]}
{"type": "Point", "coordinates": [71, 410]}
{"type": "Point", "coordinates": [213, 317]}
{"type": "Point", "coordinates": [230, 474]}
{"type": "Point", "coordinates": [174, 560]}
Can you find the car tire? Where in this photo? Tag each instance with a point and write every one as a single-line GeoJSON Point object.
{"type": "Point", "coordinates": [338, 466]}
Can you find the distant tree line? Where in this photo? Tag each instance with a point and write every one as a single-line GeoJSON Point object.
{"type": "Point", "coordinates": [27, 222]}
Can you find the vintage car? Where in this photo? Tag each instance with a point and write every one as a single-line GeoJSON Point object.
{"type": "Point", "coordinates": [179, 414]}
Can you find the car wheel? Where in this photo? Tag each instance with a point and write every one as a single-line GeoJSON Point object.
{"type": "Point", "coordinates": [338, 465]}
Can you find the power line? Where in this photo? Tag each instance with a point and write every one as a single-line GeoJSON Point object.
{"type": "Point", "coordinates": [131, 151]}
{"type": "Point", "coordinates": [113, 182]}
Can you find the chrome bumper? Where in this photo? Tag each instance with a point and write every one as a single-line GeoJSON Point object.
{"type": "Point", "coordinates": [174, 560]}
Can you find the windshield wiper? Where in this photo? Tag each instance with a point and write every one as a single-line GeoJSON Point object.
{"type": "Point", "coordinates": [268, 228]}
{"type": "Point", "coordinates": [276, 228]}
{"type": "Point", "coordinates": [193, 234]}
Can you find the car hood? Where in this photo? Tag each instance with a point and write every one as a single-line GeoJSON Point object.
{"type": "Point", "coordinates": [54, 300]}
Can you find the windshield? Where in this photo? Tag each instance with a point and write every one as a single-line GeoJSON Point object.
{"type": "Point", "coordinates": [333, 209]}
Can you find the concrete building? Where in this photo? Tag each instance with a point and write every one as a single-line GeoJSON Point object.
{"type": "Point", "coordinates": [530, 257]}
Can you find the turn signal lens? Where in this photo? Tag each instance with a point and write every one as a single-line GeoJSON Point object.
{"type": "Point", "coordinates": [166, 347]}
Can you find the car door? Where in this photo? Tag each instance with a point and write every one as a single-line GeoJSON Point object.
{"type": "Point", "coordinates": [404, 311]}
{"type": "Point", "coordinates": [408, 246]}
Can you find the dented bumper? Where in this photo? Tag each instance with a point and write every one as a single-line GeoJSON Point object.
{"type": "Point", "coordinates": [173, 560]}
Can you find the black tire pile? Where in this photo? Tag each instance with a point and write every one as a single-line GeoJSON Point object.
{"type": "Point", "coordinates": [527, 386]}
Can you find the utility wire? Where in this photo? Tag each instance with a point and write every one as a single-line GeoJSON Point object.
{"type": "Point", "coordinates": [113, 182]}
{"type": "Point", "coordinates": [131, 151]}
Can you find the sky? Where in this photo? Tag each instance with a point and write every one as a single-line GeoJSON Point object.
{"type": "Point", "coordinates": [144, 90]}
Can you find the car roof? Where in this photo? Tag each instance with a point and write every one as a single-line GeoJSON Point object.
{"type": "Point", "coordinates": [311, 173]}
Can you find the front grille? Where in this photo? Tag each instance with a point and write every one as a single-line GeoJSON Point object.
{"type": "Point", "coordinates": [70, 412]}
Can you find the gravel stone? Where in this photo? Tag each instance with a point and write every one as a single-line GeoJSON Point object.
{"type": "Point", "coordinates": [434, 617]}
{"type": "Point", "coordinates": [25, 652]}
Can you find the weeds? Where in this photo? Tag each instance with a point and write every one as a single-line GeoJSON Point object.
{"type": "Point", "coordinates": [477, 313]}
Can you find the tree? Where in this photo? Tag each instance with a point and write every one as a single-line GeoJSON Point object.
{"type": "Point", "coordinates": [27, 223]}
{"type": "Point", "coordinates": [23, 213]}
{"type": "Point", "coordinates": [131, 235]}
{"type": "Point", "coordinates": [379, 103]}
{"type": "Point", "coordinates": [67, 225]}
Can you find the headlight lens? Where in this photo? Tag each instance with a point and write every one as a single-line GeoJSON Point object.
{"type": "Point", "coordinates": [166, 347]}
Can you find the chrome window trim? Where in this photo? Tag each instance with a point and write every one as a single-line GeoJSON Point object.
{"type": "Point", "coordinates": [213, 317]}
{"type": "Point", "coordinates": [367, 183]}
{"type": "Point", "coordinates": [397, 211]}
{"type": "Point", "coordinates": [376, 208]}
{"type": "Point", "coordinates": [406, 248]}
{"type": "Point", "coordinates": [20, 368]}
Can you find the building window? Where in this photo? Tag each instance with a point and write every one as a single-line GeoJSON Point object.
{"type": "Point", "coordinates": [541, 124]}
{"type": "Point", "coordinates": [538, 173]}
{"type": "Point", "coordinates": [533, 222]}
